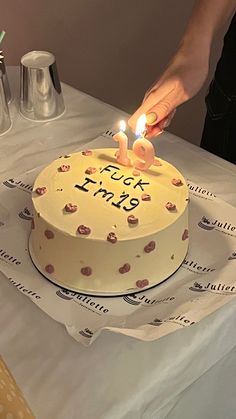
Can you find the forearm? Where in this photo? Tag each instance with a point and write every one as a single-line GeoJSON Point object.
{"type": "Point", "coordinates": [188, 69]}
{"type": "Point", "coordinates": [206, 19]}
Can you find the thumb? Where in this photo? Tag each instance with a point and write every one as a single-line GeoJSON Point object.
{"type": "Point", "coordinates": [159, 101]}
{"type": "Point", "coordinates": [162, 109]}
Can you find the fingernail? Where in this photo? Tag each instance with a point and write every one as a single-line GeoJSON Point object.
{"type": "Point", "coordinates": [151, 118]}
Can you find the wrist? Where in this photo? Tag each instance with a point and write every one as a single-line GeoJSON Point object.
{"type": "Point", "coordinates": [198, 44]}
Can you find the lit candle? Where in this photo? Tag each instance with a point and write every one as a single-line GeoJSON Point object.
{"type": "Point", "coordinates": [143, 148]}
{"type": "Point", "coordinates": [122, 139]}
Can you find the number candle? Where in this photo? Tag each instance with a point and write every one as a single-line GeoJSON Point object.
{"type": "Point", "coordinates": [143, 148]}
{"type": "Point", "coordinates": [122, 139]}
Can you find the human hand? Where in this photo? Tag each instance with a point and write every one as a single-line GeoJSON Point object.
{"type": "Point", "coordinates": [182, 79]}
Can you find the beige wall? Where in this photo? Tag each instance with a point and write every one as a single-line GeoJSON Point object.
{"type": "Point", "coordinates": [111, 49]}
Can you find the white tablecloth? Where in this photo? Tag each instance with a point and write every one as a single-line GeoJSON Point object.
{"type": "Point", "coordinates": [188, 374]}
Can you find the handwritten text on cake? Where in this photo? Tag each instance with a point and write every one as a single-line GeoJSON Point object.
{"type": "Point", "coordinates": [124, 198]}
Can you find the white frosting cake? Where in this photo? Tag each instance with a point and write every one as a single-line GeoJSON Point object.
{"type": "Point", "coordinates": [105, 229]}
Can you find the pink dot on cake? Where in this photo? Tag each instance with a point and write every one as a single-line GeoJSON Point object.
{"type": "Point", "coordinates": [125, 268]}
{"type": "Point", "coordinates": [90, 170]}
{"type": "Point", "coordinates": [146, 197]}
{"type": "Point", "coordinates": [49, 234]}
{"type": "Point", "coordinates": [84, 230]}
{"type": "Point", "coordinates": [177, 182]}
{"type": "Point", "coordinates": [132, 220]}
{"type": "Point", "coordinates": [141, 283]}
{"type": "Point", "coordinates": [41, 190]}
{"type": "Point", "coordinates": [64, 168]}
{"type": "Point", "coordinates": [170, 206]}
{"type": "Point", "coordinates": [70, 207]}
{"type": "Point", "coordinates": [87, 153]}
{"type": "Point", "coordinates": [150, 247]}
{"type": "Point", "coordinates": [185, 235]}
{"type": "Point", "coordinates": [49, 269]}
{"type": "Point", "coordinates": [111, 237]}
{"type": "Point", "coordinates": [86, 271]}
{"type": "Point", "coordinates": [157, 162]}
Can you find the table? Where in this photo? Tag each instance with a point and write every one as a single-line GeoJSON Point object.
{"type": "Point", "coordinates": [188, 374]}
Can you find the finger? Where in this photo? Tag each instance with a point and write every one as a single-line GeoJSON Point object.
{"type": "Point", "coordinates": [163, 108]}
{"type": "Point", "coordinates": [154, 97]}
{"type": "Point", "coordinates": [167, 121]}
{"type": "Point", "coordinates": [153, 131]}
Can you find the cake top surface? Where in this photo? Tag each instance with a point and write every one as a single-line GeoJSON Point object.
{"type": "Point", "coordinates": [90, 190]}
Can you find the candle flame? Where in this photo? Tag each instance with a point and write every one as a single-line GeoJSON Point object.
{"type": "Point", "coordinates": [122, 126]}
{"type": "Point", "coordinates": [141, 125]}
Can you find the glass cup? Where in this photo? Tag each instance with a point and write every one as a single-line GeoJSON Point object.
{"type": "Point", "coordinates": [5, 119]}
{"type": "Point", "coordinates": [40, 89]}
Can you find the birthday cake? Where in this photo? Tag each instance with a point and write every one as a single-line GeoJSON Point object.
{"type": "Point", "coordinates": [102, 228]}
